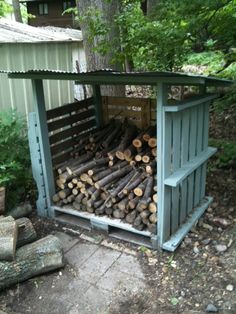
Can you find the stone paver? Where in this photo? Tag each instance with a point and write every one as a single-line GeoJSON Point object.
{"type": "Point", "coordinates": [94, 301]}
{"type": "Point", "coordinates": [80, 253]}
{"type": "Point", "coordinates": [116, 281]}
{"type": "Point", "coordinates": [128, 264]}
{"type": "Point", "coordinates": [66, 240]}
{"type": "Point", "coordinates": [98, 264]}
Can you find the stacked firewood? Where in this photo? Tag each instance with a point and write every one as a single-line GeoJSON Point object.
{"type": "Point", "coordinates": [113, 172]}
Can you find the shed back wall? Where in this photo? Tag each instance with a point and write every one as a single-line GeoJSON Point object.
{"type": "Point", "coordinates": [22, 57]}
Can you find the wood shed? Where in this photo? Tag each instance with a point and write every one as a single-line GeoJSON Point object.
{"type": "Point", "coordinates": [181, 129]}
{"type": "Point", "coordinates": [23, 48]}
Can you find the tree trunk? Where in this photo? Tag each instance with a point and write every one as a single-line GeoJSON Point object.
{"type": "Point", "coordinates": [96, 61]}
{"type": "Point", "coordinates": [32, 259]}
{"type": "Point", "coordinates": [16, 10]}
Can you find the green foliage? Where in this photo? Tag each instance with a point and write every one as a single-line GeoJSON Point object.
{"type": "Point", "coordinates": [5, 8]}
{"type": "Point", "coordinates": [14, 158]}
{"type": "Point", "coordinates": [226, 154]}
{"type": "Point", "coordinates": [164, 40]}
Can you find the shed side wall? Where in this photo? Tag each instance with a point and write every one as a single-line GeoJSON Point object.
{"type": "Point", "coordinates": [22, 57]}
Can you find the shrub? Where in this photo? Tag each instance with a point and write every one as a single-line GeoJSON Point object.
{"type": "Point", "coordinates": [15, 172]}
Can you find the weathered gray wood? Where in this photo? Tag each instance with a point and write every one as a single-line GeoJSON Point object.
{"type": "Point", "coordinates": [2, 199]}
{"type": "Point", "coordinates": [31, 260]}
{"type": "Point", "coordinates": [176, 153]}
{"type": "Point", "coordinates": [43, 138]}
{"type": "Point", "coordinates": [8, 238]}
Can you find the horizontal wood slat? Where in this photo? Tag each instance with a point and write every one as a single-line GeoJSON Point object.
{"type": "Point", "coordinates": [70, 120]}
{"type": "Point", "coordinates": [72, 131]}
{"type": "Point", "coordinates": [60, 111]}
{"type": "Point", "coordinates": [63, 146]}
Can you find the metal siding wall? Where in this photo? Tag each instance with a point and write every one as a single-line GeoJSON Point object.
{"type": "Point", "coordinates": [22, 57]}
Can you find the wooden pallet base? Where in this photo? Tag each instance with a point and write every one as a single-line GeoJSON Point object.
{"type": "Point", "coordinates": [114, 227]}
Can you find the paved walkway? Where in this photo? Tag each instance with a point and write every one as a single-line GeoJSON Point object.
{"type": "Point", "coordinates": [95, 277]}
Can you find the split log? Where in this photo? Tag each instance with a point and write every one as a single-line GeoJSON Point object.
{"type": "Point", "coordinates": [119, 214]}
{"type": "Point", "coordinates": [154, 197]}
{"type": "Point", "coordinates": [122, 205]}
{"type": "Point", "coordinates": [26, 232]}
{"type": "Point", "coordinates": [31, 260]}
{"type": "Point", "coordinates": [145, 214]}
{"type": "Point", "coordinates": [8, 238]}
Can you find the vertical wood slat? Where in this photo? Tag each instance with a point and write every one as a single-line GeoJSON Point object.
{"type": "Point", "coordinates": [200, 116]}
{"type": "Point", "coordinates": [176, 154]}
{"type": "Point", "coordinates": [184, 160]}
{"type": "Point", "coordinates": [164, 193]}
{"type": "Point", "coordinates": [192, 152]}
{"type": "Point", "coordinates": [46, 157]}
{"type": "Point", "coordinates": [98, 105]}
{"type": "Point", "coordinates": [204, 146]}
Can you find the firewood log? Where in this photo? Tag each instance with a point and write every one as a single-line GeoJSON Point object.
{"type": "Point", "coordinates": [55, 198]}
{"type": "Point", "coordinates": [32, 259]}
{"type": "Point", "coordinates": [154, 197]}
{"type": "Point", "coordinates": [137, 221]}
{"type": "Point", "coordinates": [123, 203]}
{"type": "Point", "coordinates": [90, 165]}
{"type": "Point", "coordinates": [152, 142]}
{"type": "Point", "coordinates": [134, 202]}
{"type": "Point", "coordinates": [138, 141]}
{"type": "Point", "coordinates": [108, 211]}
{"type": "Point", "coordinates": [70, 185]}
{"type": "Point", "coordinates": [117, 213]}
{"type": "Point", "coordinates": [129, 152]}
{"type": "Point", "coordinates": [26, 232]}
{"type": "Point", "coordinates": [133, 184]}
{"type": "Point", "coordinates": [122, 183]}
{"type": "Point", "coordinates": [94, 171]}
{"type": "Point", "coordinates": [98, 203]}
{"type": "Point", "coordinates": [152, 228]}
{"type": "Point", "coordinates": [144, 202]}
{"type": "Point", "coordinates": [78, 161]}
{"type": "Point", "coordinates": [151, 130]}
{"type": "Point", "coordinates": [126, 141]}
{"type": "Point", "coordinates": [79, 198]}
{"type": "Point", "coordinates": [8, 238]}
{"type": "Point", "coordinates": [113, 176]}
{"type": "Point", "coordinates": [153, 218]}
{"type": "Point", "coordinates": [152, 207]}
{"type": "Point", "coordinates": [130, 218]}
{"type": "Point", "coordinates": [106, 172]}
{"type": "Point", "coordinates": [154, 151]}
{"type": "Point", "coordinates": [90, 209]}
{"type": "Point", "coordinates": [140, 227]}
{"type": "Point", "coordinates": [139, 190]}
{"type": "Point", "coordinates": [100, 210]}
{"type": "Point", "coordinates": [145, 214]}
{"type": "Point", "coordinates": [112, 136]}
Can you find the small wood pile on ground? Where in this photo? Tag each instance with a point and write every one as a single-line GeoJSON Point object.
{"type": "Point", "coordinates": [112, 172]}
{"type": "Point", "coordinates": [21, 256]}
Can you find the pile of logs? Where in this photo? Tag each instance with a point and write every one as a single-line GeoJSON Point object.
{"type": "Point", "coordinates": [21, 256]}
{"type": "Point", "coordinates": [113, 172]}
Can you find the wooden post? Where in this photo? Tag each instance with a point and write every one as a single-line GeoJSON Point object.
{"type": "Point", "coordinates": [163, 167]}
{"type": "Point", "coordinates": [43, 137]}
{"type": "Point", "coordinates": [98, 105]}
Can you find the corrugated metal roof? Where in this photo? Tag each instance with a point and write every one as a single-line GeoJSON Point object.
{"type": "Point", "coordinates": [14, 32]}
{"type": "Point", "coordinates": [108, 76]}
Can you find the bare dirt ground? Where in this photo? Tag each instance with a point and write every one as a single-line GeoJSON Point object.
{"type": "Point", "coordinates": [201, 273]}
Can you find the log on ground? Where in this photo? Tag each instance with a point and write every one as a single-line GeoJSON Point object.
{"type": "Point", "coordinates": [31, 260]}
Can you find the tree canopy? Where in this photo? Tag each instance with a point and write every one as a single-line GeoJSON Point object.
{"type": "Point", "coordinates": [172, 31]}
